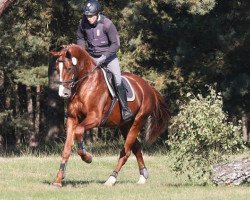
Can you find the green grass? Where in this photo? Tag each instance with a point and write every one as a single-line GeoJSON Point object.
{"type": "Point", "coordinates": [29, 177]}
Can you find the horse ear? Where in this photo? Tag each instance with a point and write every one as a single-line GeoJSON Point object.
{"type": "Point", "coordinates": [55, 53]}
{"type": "Point", "coordinates": [68, 55]}
{"type": "Point", "coordinates": [74, 60]}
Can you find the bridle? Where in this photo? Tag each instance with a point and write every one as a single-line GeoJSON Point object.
{"type": "Point", "coordinates": [72, 69]}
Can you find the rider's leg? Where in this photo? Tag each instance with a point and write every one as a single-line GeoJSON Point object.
{"type": "Point", "coordinates": [126, 112]}
{"type": "Point", "coordinates": [114, 67]}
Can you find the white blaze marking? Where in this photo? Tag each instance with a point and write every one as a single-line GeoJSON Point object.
{"type": "Point", "coordinates": [60, 71]}
{"type": "Point", "coordinates": [63, 92]}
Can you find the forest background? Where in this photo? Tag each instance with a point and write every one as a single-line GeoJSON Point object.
{"type": "Point", "coordinates": [179, 47]}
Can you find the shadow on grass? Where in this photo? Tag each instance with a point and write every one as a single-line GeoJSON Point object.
{"type": "Point", "coordinates": [177, 185]}
{"type": "Point", "coordinates": [77, 183]}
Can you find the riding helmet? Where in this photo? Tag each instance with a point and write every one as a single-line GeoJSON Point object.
{"type": "Point", "coordinates": [92, 7]}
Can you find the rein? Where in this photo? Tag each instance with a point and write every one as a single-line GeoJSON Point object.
{"type": "Point", "coordinates": [85, 76]}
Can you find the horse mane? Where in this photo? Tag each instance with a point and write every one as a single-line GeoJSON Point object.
{"type": "Point", "coordinates": [81, 54]}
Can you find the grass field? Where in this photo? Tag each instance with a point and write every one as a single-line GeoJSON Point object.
{"type": "Point", "coordinates": [29, 177]}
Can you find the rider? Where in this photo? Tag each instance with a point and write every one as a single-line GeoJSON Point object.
{"type": "Point", "coordinates": [100, 35]}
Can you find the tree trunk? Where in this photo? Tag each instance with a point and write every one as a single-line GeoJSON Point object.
{"type": "Point", "coordinates": [38, 112]}
{"type": "Point", "coordinates": [232, 173]}
{"type": "Point", "coordinates": [17, 100]}
{"type": "Point", "coordinates": [1, 79]}
{"type": "Point", "coordinates": [31, 127]}
{"type": "Point", "coordinates": [245, 127]}
{"type": "Point", "coordinates": [7, 101]}
{"type": "Point", "coordinates": [17, 110]}
{"type": "Point", "coordinates": [3, 120]}
{"type": "Point", "coordinates": [8, 135]}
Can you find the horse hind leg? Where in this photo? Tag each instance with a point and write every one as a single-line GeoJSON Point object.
{"type": "Point", "coordinates": [126, 151]}
{"type": "Point", "coordinates": [137, 150]}
{"type": "Point", "coordinates": [124, 154]}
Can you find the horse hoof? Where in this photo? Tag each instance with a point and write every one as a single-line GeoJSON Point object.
{"type": "Point", "coordinates": [56, 185]}
{"type": "Point", "coordinates": [87, 158]}
{"type": "Point", "coordinates": [110, 182]}
{"type": "Point", "coordinates": [142, 180]}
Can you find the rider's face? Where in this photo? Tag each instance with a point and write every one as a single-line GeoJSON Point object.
{"type": "Point", "coordinates": [92, 18]}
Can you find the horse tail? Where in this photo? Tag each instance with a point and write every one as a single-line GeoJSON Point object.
{"type": "Point", "coordinates": [158, 121]}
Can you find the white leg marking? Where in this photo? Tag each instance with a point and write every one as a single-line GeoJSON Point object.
{"type": "Point", "coordinates": [142, 180]}
{"type": "Point", "coordinates": [111, 181]}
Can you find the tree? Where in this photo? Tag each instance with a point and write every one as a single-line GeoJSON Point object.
{"type": "Point", "coordinates": [201, 136]}
{"type": "Point", "coordinates": [25, 41]}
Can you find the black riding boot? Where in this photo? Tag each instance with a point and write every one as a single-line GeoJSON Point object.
{"type": "Point", "coordinates": [122, 96]}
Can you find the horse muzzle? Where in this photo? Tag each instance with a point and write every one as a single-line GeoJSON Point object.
{"type": "Point", "coordinates": [64, 92]}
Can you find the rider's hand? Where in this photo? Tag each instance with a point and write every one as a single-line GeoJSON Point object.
{"type": "Point", "coordinates": [100, 60]}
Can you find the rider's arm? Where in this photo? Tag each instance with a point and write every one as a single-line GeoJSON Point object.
{"type": "Point", "coordinates": [114, 39]}
{"type": "Point", "coordinates": [80, 37]}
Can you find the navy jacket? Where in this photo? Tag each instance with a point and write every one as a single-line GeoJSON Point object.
{"type": "Point", "coordinates": [101, 38]}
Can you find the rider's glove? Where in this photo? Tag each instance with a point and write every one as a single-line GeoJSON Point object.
{"type": "Point", "coordinates": [100, 60]}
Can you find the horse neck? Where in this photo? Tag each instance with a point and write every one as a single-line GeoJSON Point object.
{"type": "Point", "coordinates": [87, 70]}
{"type": "Point", "coordinates": [86, 64]}
{"type": "Point", "coordinates": [91, 80]}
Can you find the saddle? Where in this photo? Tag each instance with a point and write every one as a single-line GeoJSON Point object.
{"type": "Point", "coordinates": [109, 78]}
{"type": "Point", "coordinates": [110, 81]}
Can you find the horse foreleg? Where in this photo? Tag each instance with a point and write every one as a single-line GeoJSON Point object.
{"type": "Point", "coordinates": [136, 149]}
{"type": "Point", "coordinates": [89, 122]}
{"type": "Point", "coordinates": [66, 153]}
{"type": "Point", "coordinates": [82, 152]}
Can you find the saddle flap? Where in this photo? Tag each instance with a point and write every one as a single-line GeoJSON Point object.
{"type": "Point", "coordinates": [109, 81]}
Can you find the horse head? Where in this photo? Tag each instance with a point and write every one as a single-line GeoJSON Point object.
{"type": "Point", "coordinates": [72, 63]}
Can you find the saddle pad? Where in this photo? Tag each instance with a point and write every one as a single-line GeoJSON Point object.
{"type": "Point", "coordinates": [129, 90]}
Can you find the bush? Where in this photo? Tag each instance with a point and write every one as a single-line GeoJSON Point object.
{"type": "Point", "coordinates": [201, 136]}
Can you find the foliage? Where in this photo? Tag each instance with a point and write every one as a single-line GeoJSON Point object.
{"type": "Point", "coordinates": [17, 125]}
{"type": "Point", "coordinates": [200, 7]}
{"type": "Point", "coordinates": [25, 36]}
{"type": "Point", "coordinates": [201, 135]}
{"type": "Point", "coordinates": [32, 77]}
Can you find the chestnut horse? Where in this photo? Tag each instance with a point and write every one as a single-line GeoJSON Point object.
{"type": "Point", "coordinates": [88, 102]}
